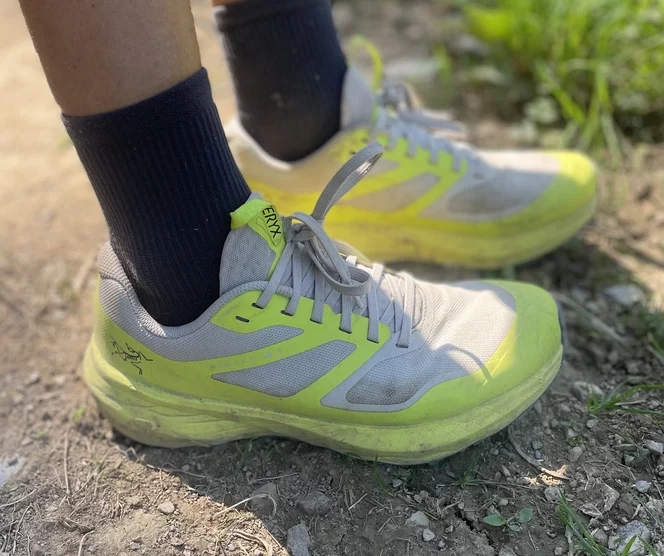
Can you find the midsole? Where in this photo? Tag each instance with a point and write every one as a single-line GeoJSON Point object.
{"type": "Point", "coordinates": [176, 419]}
{"type": "Point", "coordinates": [405, 242]}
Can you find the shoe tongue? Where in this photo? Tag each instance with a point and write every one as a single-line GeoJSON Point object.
{"type": "Point", "coordinates": [253, 246]}
{"type": "Point", "coordinates": [358, 101]}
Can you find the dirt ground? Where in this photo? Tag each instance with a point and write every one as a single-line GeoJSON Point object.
{"type": "Point", "coordinates": [70, 486]}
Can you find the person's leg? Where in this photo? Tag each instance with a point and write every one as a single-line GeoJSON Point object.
{"type": "Point", "coordinates": [139, 110]}
{"type": "Point", "coordinates": [288, 71]}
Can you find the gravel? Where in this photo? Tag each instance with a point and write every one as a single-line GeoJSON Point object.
{"type": "Point", "coordinates": [298, 540]}
{"type": "Point", "coordinates": [418, 519]}
{"type": "Point", "coordinates": [166, 508]}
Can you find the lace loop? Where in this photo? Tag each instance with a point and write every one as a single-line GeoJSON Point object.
{"type": "Point", "coordinates": [307, 242]}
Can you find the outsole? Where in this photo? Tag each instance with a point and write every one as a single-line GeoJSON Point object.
{"type": "Point", "coordinates": [162, 418]}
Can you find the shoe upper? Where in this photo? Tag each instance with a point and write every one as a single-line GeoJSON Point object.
{"type": "Point", "coordinates": [298, 325]}
{"type": "Point", "coordinates": [424, 177]}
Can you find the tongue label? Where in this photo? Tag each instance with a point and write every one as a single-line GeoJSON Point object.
{"type": "Point", "coordinates": [272, 224]}
{"type": "Point", "coordinates": [263, 218]}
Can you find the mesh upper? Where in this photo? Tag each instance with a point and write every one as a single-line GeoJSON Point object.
{"type": "Point", "coordinates": [293, 374]}
{"type": "Point", "coordinates": [462, 326]}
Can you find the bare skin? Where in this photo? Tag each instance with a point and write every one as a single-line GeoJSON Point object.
{"type": "Point", "coordinates": [101, 55]}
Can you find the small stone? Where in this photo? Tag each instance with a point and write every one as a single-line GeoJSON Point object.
{"type": "Point", "coordinates": [418, 519]}
{"type": "Point", "coordinates": [503, 502]}
{"type": "Point", "coordinates": [601, 537]}
{"type": "Point", "coordinates": [424, 495]}
{"type": "Point", "coordinates": [628, 532]}
{"type": "Point", "coordinates": [133, 545]}
{"type": "Point", "coordinates": [186, 467]}
{"type": "Point", "coordinates": [428, 535]}
{"type": "Point", "coordinates": [538, 454]}
{"type": "Point", "coordinates": [315, 503]}
{"type": "Point", "coordinates": [574, 454]}
{"type": "Point", "coordinates": [643, 486]}
{"type": "Point", "coordinates": [166, 508]}
{"type": "Point", "coordinates": [134, 501]}
{"type": "Point", "coordinates": [537, 445]}
{"type": "Point", "coordinates": [298, 540]}
{"type": "Point", "coordinates": [553, 495]}
{"type": "Point", "coordinates": [505, 471]}
{"type": "Point", "coordinates": [610, 496]}
{"type": "Point", "coordinates": [559, 551]}
{"type": "Point", "coordinates": [34, 378]}
{"type": "Point", "coordinates": [264, 499]}
{"type": "Point", "coordinates": [591, 423]}
{"type": "Point", "coordinates": [583, 390]}
{"type": "Point", "coordinates": [417, 498]}
{"type": "Point", "coordinates": [449, 529]}
{"type": "Point", "coordinates": [656, 448]}
{"type": "Point", "coordinates": [625, 295]}
{"type": "Point", "coordinates": [396, 483]}
{"type": "Point", "coordinates": [506, 551]}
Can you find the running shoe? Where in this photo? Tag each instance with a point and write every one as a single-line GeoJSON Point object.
{"type": "Point", "coordinates": [430, 198]}
{"type": "Point", "coordinates": [307, 342]}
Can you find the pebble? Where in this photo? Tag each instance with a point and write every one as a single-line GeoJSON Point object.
{"type": "Point", "coordinates": [601, 537]}
{"type": "Point", "coordinates": [166, 508]}
{"type": "Point", "coordinates": [553, 494]}
{"type": "Point", "coordinates": [538, 454]}
{"type": "Point", "coordinates": [34, 378]}
{"type": "Point", "coordinates": [418, 519]}
{"type": "Point", "coordinates": [396, 483]}
{"type": "Point", "coordinates": [643, 486]}
{"type": "Point", "coordinates": [583, 390]}
{"type": "Point", "coordinates": [133, 545]}
{"type": "Point", "coordinates": [428, 535]}
{"type": "Point", "coordinates": [559, 551]}
{"type": "Point", "coordinates": [266, 501]}
{"type": "Point", "coordinates": [656, 448]}
{"type": "Point", "coordinates": [503, 502]}
{"type": "Point", "coordinates": [315, 503]}
{"type": "Point", "coordinates": [298, 540]}
{"type": "Point", "coordinates": [450, 529]}
{"type": "Point", "coordinates": [505, 471]}
{"type": "Point", "coordinates": [625, 295]}
{"type": "Point", "coordinates": [537, 444]}
{"type": "Point", "coordinates": [574, 454]}
{"type": "Point", "coordinates": [627, 532]}
{"type": "Point", "coordinates": [592, 423]}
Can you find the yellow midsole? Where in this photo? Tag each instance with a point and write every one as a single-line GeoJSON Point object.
{"type": "Point", "coordinates": [390, 242]}
{"type": "Point", "coordinates": [162, 418]}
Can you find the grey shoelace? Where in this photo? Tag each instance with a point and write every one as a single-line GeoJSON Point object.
{"type": "Point", "coordinates": [307, 240]}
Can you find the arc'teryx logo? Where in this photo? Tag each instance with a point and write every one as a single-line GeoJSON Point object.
{"type": "Point", "coordinates": [272, 223]}
{"type": "Point", "coordinates": [130, 355]}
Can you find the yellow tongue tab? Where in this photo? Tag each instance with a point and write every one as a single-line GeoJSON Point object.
{"type": "Point", "coordinates": [263, 218]}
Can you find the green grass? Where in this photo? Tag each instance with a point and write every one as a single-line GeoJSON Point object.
{"type": "Point", "coordinates": [582, 538]}
{"type": "Point", "coordinates": [619, 396]}
{"type": "Point", "coordinates": [600, 61]}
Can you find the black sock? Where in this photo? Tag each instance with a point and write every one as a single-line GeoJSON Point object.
{"type": "Point", "coordinates": [166, 182]}
{"type": "Point", "coordinates": [288, 71]}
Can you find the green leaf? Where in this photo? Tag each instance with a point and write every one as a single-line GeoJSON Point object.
{"type": "Point", "coordinates": [525, 515]}
{"type": "Point", "coordinates": [489, 25]}
{"type": "Point", "coordinates": [495, 520]}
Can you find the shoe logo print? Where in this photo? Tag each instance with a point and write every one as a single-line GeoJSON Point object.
{"type": "Point", "coordinates": [272, 223]}
{"type": "Point", "coordinates": [130, 355]}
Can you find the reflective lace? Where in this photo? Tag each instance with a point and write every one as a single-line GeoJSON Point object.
{"type": "Point", "coordinates": [307, 241]}
{"type": "Point", "coordinates": [399, 118]}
